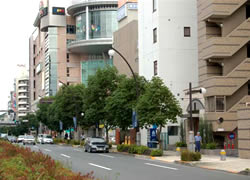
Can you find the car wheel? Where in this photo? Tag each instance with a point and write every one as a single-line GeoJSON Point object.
{"type": "Point", "coordinates": [85, 150]}
{"type": "Point", "coordinates": [107, 151]}
{"type": "Point", "coordinates": [34, 143]}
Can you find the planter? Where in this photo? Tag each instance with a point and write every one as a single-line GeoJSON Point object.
{"type": "Point", "coordinates": [216, 152]}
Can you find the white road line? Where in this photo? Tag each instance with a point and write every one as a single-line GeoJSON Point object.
{"type": "Point", "coordinates": [106, 155]}
{"type": "Point", "coordinates": [155, 165]}
{"type": "Point", "coordinates": [100, 166]}
{"type": "Point", "coordinates": [47, 150]}
{"type": "Point", "coordinates": [36, 147]}
{"type": "Point", "coordinates": [65, 156]}
{"type": "Point", "coordinates": [77, 150]}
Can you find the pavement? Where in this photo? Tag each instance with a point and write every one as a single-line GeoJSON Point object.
{"type": "Point", "coordinates": [116, 166]}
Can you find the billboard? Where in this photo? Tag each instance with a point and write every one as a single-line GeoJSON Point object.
{"type": "Point", "coordinates": [122, 2]}
{"type": "Point", "coordinates": [43, 7]}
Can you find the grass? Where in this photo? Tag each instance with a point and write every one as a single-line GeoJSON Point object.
{"type": "Point", "coordinates": [19, 163]}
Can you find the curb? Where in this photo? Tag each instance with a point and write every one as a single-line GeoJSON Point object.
{"type": "Point", "coordinates": [137, 155]}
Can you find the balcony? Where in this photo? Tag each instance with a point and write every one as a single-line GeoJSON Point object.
{"type": "Point", "coordinates": [23, 102]}
{"type": "Point", "coordinates": [23, 97]}
{"type": "Point", "coordinates": [216, 9]}
{"type": "Point", "coordinates": [22, 109]}
{"type": "Point", "coordinates": [23, 85]}
{"type": "Point", "coordinates": [222, 47]}
{"type": "Point", "coordinates": [22, 90]}
{"type": "Point", "coordinates": [91, 46]}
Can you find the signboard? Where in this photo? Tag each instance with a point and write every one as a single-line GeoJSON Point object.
{"type": "Point", "coordinates": [231, 136]}
{"type": "Point", "coordinates": [134, 119]}
{"type": "Point", "coordinates": [122, 13]}
{"type": "Point", "coordinates": [75, 122]}
{"type": "Point", "coordinates": [58, 11]}
{"type": "Point", "coordinates": [122, 2]}
{"type": "Point", "coordinates": [153, 135]}
{"type": "Point", "coordinates": [43, 8]}
{"type": "Point", "coordinates": [132, 6]}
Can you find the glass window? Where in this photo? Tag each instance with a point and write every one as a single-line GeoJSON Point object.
{"type": "Point", "coordinates": [155, 35]}
{"type": "Point", "coordinates": [71, 29]}
{"type": "Point", "coordinates": [154, 5]}
{"type": "Point", "coordinates": [187, 31]}
{"type": "Point", "coordinates": [81, 26]}
{"type": "Point", "coordinates": [220, 104]}
{"type": "Point", "coordinates": [155, 68]}
{"type": "Point", "coordinates": [210, 104]}
{"type": "Point", "coordinates": [173, 130]}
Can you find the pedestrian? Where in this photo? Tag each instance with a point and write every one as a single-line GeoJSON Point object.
{"type": "Point", "coordinates": [198, 142]}
{"type": "Point", "coordinates": [82, 137]}
{"type": "Point", "coordinates": [66, 136]}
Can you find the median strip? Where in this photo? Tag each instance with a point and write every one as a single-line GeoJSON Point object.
{"type": "Point", "coordinates": [65, 156]}
{"type": "Point", "coordinates": [106, 155]}
{"type": "Point", "coordinates": [156, 165]}
{"type": "Point", "coordinates": [100, 166]}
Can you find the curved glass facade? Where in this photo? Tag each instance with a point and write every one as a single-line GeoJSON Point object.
{"type": "Point", "coordinates": [102, 24]}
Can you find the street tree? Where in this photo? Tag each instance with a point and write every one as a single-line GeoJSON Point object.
{"type": "Point", "coordinates": [157, 106]}
{"type": "Point", "coordinates": [123, 100]}
{"type": "Point", "coordinates": [100, 87]}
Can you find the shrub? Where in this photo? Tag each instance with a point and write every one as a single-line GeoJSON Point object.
{"type": "Point", "coordinates": [132, 149]}
{"type": "Point", "coordinates": [156, 152]}
{"type": "Point", "coordinates": [211, 146]}
{"type": "Point", "coordinates": [142, 149]}
{"type": "Point", "coordinates": [204, 146]}
{"type": "Point", "coordinates": [122, 148]}
{"type": "Point", "coordinates": [110, 145]}
{"type": "Point", "coordinates": [82, 143]}
{"type": "Point", "coordinates": [181, 144]}
{"type": "Point", "coordinates": [190, 156]}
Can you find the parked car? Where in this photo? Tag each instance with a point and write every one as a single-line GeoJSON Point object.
{"type": "Point", "coordinates": [20, 138]}
{"type": "Point", "coordinates": [39, 138]}
{"type": "Point", "coordinates": [12, 139]}
{"type": "Point", "coordinates": [96, 145]}
{"type": "Point", "coordinates": [29, 139]}
{"type": "Point", "coordinates": [47, 139]}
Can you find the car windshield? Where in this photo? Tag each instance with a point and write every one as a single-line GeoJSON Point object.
{"type": "Point", "coordinates": [48, 136]}
{"type": "Point", "coordinates": [20, 136]}
{"type": "Point", "coordinates": [29, 137]}
{"type": "Point", "coordinates": [97, 141]}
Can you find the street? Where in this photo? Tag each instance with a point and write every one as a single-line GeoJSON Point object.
{"type": "Point", "coordinates": [114, 166]}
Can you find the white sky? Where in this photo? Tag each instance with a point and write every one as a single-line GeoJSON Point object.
{"type": "Point", "coordinates": [16, 19]}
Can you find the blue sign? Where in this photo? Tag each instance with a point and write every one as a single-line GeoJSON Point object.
{"type": "Point", "coordinates": [134, 119]}
{"type": "Point", "coordinates": [231, 136]}
{"type": "Point", "coordinates": [75, 122]}
{"type": "Point", "coordinates": [153, 134]}
{"type": "Point", "coordinates": [61, 125]}
{"type": "Point", "coordinates": [121, 13]}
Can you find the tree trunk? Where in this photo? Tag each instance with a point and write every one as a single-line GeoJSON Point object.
{"type": "Point", "coordinates": [159, 137]}
{"type": "Point", "coordinates": [107, 135]}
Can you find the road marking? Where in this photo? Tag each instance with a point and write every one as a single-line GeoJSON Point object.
{"type": "Point", "coordinates": [155, 165]}
{"type": "Point", "coordinates": [100, 166]}
{"type": "Point", "coordinates": [65, 156]}
{"type": "Point", "coordinates": [47, 150]}
{"type": "Point", "coordinates": [77, 150]}
{"type": "Point", "coordinates": [106, 155]}
{"type": "Point", "coordinates": [36, 147]}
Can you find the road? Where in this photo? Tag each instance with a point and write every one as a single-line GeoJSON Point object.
{"type": "Point", "coordinates": [114, 166]}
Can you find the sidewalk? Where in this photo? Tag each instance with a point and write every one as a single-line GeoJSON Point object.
{"type": "Point", "coordinates": [232, 164]}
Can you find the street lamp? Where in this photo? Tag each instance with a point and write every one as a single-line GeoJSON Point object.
{"type": "Point", "coordinates": [190, 92]}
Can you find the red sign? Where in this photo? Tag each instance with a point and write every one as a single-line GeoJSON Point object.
{"type": "Point", "coordinates": [231, 136]}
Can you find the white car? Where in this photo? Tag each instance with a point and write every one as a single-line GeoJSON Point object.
{"type": "Point", "coordinates": [47, 139]}
{"type": "Point", "coordinates": [20, 139]}
{"type": "Point", "coordinates": [29, 139]}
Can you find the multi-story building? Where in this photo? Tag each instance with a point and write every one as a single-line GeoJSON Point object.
{"type": "Point", "coordinates": [96, 20]}
{"type": "Point", "coordinates": [22, 93]}
{"type": "Point", "coordinates": [126, 37]}
{"type": "Point", "coordinates": [168, 48]}
{"type": "Point", "coordinates": [224, 69]}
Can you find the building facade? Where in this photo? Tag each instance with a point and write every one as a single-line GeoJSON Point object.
{"type": "Point", "coordinates": [224, 69]}
{"type": "Point", "coordinates": [125, 39]}
{"type": "Point", "coordinates": [168, 48]}
{"type": "Point", "coordinates": [95, 24]}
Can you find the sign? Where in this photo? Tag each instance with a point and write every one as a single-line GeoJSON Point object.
{"type": "Point", "coordinates": [75, 122]}
{"type": "Point", "coordinates": [122, 13]}
{"type": "Point", "coordinates": [134, 119]}
{"type": "Point", "coordinates": [61, 125]}
{"type": "Point", "coordinates": [122, 2]}
{"type": "Point", "coordinates": [58, 11]}
{"type": "Point", "coordinates": [43, 8]}
{"type": "Point", "coordinates": [153, 135]}
{"type": "Point", "coordinates": [231, 136]}
{"type": "Point", "coordinates": [132, 6]}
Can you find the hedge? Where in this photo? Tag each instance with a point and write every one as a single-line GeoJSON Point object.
{"type": "Point", "coordinates": [142, 150]}
{"type": "Point", "coordinates": [190, 156]}
{"type": "Point", "coordinates": [181, 144]}
{"type": "Point", "coordinates": [156, 152]}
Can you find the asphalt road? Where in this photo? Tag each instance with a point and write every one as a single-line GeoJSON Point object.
{"type": "Point", "coordinates": [114, 166]}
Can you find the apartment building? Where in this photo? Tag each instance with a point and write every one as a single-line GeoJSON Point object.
{"type": "Point", "coordinates": [224, 69]}
{"type": "Point", "coordinates": [168, 49]}
{"type": "Point", "coordinates": [125, 39]}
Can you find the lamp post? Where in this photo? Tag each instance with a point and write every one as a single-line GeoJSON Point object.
{"type": "Point", "coordinates": [191, 132]}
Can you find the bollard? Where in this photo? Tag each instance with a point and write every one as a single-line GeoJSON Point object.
{"type": "Point", "coordinates": [129, 142]}
{"type": "Point", "coordinates": [126, 140]}
{"type": "Point", "coordinates": [223, 155]}
{"type": "Point", "coordinates": [178, 151]}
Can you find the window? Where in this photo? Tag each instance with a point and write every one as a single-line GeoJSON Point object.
{"type": "Point", "coordinates": [34, 94]}
{"type": "Point", "coordinates": [71, 29]}
{"type": "Point", "coordinates": [248, 50]}
{"type": "Point", "coordinates": [173, 130]}
{"type": "Point", "coordinates": [154, 5]}
{"type": "Point", "coordinates": [67, 57]}
{"type": "Point", "coordinates": [187, 32]}
{"type": "Point", "coordinates": [34, 73]}
{"type": "Point", "coordinates": [34, 83]}
{"type": "Point", "coordinates": [34, 49]}
{"type": "Point", "coordinates": [34, 61]}
{"type": "Point", "coordinates": [155, 35]}
{"type": "Point", "coordinates": [155, 68]}
{"type": "Point", "coordinates": [220, 104]}
{"type": "Point", "coordinates": [67, 72]}
{"type": "Point", "coordinates": [68, 83]}
{"type": "Point", "coordinates": [247, 11]}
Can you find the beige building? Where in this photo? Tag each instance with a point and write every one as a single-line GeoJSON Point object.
{"type": "Point", "coordinates": [224, 68]}
{"type": "Point", "coordinates": [126, 37]}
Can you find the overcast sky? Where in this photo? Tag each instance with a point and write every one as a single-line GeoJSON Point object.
{"type": "Point", "coordinates": [16, 19]}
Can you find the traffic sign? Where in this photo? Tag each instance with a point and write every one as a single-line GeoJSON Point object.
{"type": "Point", "coordinates": [231, 136]}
